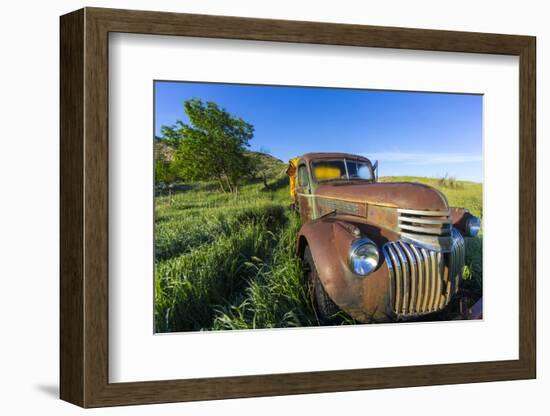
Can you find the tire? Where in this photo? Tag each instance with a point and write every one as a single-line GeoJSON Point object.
{"type": "Point", "coordinates": [325, 308]}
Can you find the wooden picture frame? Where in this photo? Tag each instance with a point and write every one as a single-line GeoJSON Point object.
{"type": "Point", "coordinates": [84, 207]}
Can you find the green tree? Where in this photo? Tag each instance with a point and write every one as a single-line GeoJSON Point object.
{"type": "Point", "coordinates": [212, 146]}
{"type": "Point", "coordinates": [260, 168]}
{"type": "Point", "coordinates": [170, 134]}
{"type": "Point", "coordinates": [166, 167]}
{"type": "Point", "coordinates": [164, 172]}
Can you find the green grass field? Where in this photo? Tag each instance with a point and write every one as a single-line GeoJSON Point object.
{"type": "Point", "coordinates": [227, 261]}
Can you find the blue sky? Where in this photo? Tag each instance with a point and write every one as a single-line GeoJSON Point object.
{"type": "Point", "coordinates": [410, 133]}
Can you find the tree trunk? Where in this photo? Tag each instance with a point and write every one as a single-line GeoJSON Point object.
{"type": "Point", "coordinates": [221, 184]}
{"type": "Point", "coordinates": [229, 184]}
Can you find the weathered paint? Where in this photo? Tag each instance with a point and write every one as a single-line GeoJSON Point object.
{"type": "Point", "coordinates": [365, 299]}
{"type": "Point", "coordinates": [336, 213]}
{"type": "Point", "coordinates": [387, 194]}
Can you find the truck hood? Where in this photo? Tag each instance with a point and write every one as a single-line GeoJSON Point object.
{"type": "Point", "coordinates": [405, 195]}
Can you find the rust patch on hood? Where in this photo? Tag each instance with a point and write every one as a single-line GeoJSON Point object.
{"type": "Point", "coordinates": [389, 194]}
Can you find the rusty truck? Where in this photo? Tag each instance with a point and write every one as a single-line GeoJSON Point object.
{"type": "Point", "coordinates": [378, 251]}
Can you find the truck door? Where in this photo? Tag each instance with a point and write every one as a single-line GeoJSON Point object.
{"type": "Point", "coordinates": [304, 194]}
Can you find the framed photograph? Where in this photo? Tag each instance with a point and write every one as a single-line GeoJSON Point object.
{"type": "Point", "coordinates": [254, 207]}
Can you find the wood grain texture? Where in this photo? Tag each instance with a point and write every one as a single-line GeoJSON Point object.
{"type": "Point", "coordinates": [527, 208]}
{"type": "Point", "coordinates": [84, 207]}
{"type": "Point", "coordinates": [71, 213]}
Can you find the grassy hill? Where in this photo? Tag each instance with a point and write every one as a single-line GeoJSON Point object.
{"type": "Point", "coordinates": [227, 261]}
{"type": "Point", "coordinates": [272, 164]}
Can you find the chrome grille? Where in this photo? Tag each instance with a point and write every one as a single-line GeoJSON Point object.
{"type": "Point", "coordinates": [423, 281]}
{"type": "Point", "coordinates": [430, 229]}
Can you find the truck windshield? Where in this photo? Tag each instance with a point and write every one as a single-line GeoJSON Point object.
{"type": "Point", "coordinates": [341, 169]}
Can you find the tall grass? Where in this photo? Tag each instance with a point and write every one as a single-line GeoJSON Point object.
{"type": "Point", "coordinates": [206, 246]}
{"type": "Point", "coordinates": [185, 232]}
{"type": "Point", "coordinates": [473, 272]}
{"type": "Point", "coordinates": [190, 286]}
{"type": "Point", "coordinates": [276, 295]}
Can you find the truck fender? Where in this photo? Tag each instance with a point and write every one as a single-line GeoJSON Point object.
{"type": "Point", "coordinates": [459, 218]}
{"type": "Point", "coordinates": [329, 241]}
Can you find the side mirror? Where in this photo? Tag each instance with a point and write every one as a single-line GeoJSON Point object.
{"type": "Point", "coordinates": [375, 170]}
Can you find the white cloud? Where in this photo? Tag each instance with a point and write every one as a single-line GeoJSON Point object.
{"type": "Point", "coordinates": [424, 158]}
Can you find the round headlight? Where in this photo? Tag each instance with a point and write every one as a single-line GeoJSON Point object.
{"type": "Point", "coordinates": [363, 257]}
{"type": "Point", "coordinates": [472, 226]}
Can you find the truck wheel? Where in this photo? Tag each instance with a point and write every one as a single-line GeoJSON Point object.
{"type": "Point", "coordinates": [323, 304]}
